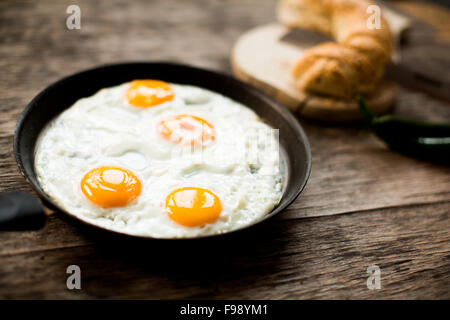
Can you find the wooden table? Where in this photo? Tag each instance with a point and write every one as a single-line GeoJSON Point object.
{"type": "Point", "coordinates": [376, 207]}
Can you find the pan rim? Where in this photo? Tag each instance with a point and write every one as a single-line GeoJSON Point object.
{"type": "Point", "coordinates": [281, 110]}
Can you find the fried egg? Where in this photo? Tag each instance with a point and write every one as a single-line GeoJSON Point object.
{"type": "Point", "coordinates": [160, 159]}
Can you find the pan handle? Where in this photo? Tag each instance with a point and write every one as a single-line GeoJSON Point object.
{"type": "Point", "coordinates": [21, 211]}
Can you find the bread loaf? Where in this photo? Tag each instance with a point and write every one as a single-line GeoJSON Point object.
{"type": "Point", "coordinates": [354, 63]}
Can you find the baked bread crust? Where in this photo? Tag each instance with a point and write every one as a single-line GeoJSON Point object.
{"type": "Point", "coordinates": [354, 63]}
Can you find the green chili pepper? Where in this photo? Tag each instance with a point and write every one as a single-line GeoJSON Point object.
{"type": "Point", "coordinates": [430, 141]}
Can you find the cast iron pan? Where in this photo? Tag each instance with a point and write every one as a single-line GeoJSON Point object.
{"type": "Point", "coordinates": [295, 152]}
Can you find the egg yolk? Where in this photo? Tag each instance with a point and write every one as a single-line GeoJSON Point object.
{"type": "Point", "coordinates": [110, 186]}
{"type": "Point", "coordinates": [187, 130]}
{"type": "Point", "coordinates": [148, 93]}
{"type": "Point", "coordinates": [192, 207]}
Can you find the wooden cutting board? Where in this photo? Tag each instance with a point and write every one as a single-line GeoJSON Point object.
{"type": "Point", "coordinates": [263, 58]}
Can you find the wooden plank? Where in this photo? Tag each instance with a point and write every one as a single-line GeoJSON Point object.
{"type": "Point", "coordinates": [351, 170]}
{"type": "Point", "coordinates": [324, 257]}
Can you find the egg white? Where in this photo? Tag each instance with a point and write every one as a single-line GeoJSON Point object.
{"type": "Point", "coordinates": [241, 167]}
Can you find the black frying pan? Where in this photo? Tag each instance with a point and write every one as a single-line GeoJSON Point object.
{"type": "Point", "coordinates": [295, 152]}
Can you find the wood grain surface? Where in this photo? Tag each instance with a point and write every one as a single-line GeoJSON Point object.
{"type": "Point", "coordinates": [365, 204]}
